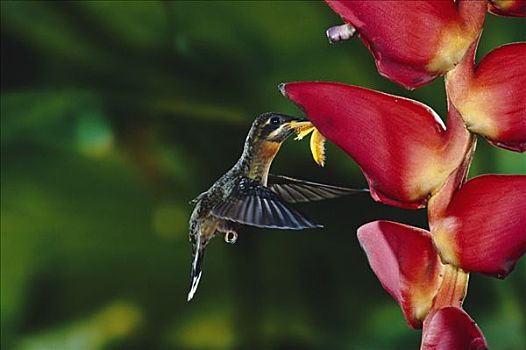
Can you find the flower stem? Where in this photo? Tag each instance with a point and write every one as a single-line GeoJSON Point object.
{"type": "Point", "coordinates": [453, 287]}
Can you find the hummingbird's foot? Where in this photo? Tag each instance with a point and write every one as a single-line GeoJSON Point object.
{"type": "Point", "coordinates": [231, 237]}
{"type": "Point", "coordinates": [229, 228]}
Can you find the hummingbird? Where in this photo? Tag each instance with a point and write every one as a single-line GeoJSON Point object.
{"type": "Point", "coordinates": [248, 195]}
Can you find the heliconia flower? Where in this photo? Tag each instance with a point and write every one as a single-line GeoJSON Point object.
{"type": "Point", "coordinates": [415, 41]}
{"type": "Point", "coordinates": [491, 97]}
{"type": "Point", "coordinates": [405, 262]}
{"type": "Point", "coordinates": [451, 328]}
{"type": "Point", "coordinates": [402, 146]}
{"type": "Point", "coordinates": [429, 293]}
{"type": "Point", "coordinates": [408, 266]}
{"type": "Point", "coordinates": [483, 228]}
{"type": "Point", "coordinates": [513, 8]}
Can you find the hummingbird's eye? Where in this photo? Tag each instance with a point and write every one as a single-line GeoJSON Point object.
{"type": "Point", "coordinates": [275, 120]}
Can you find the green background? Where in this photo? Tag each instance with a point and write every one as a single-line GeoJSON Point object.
{"type": "Point", "coordinates": [115, 114]}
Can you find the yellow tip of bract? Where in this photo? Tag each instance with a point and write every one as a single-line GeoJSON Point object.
{"type": "Point", "coordinates": [317, 140]}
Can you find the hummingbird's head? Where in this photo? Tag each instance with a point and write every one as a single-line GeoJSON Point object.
{"type": "Point", "coordinates": [275, 127]}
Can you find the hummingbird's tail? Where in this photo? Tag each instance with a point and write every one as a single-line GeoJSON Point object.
{"type": "Point", "coordinates": [197, 263]}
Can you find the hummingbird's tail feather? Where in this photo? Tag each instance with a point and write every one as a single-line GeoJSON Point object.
{"type": "Point", "coordinates": [197, 263]}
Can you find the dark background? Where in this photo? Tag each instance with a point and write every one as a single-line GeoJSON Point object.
{"type": "Point", "coordinates": [115, 114]}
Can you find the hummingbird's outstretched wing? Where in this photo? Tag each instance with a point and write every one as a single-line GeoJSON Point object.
{"type": "Point", "coordinates": [251, 203]}
{"type": "Point", "coordinates": [297, 191]}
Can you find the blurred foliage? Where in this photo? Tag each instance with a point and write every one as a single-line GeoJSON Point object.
{"type": "Point", "coordinates": [115, 114]}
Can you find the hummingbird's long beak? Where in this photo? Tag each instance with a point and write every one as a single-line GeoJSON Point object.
{"type": "Point", "coordinates": [293, 122]}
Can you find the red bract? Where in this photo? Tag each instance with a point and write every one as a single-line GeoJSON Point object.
{"type": "Point", "coordinates": [414, 41]}
{"type": "Point", "coordinates": [513, 8]}
{"type": "Point", "coordinates": [491, 97]}
{"type": "Point", "coordinates": [405, 262]}
{"type": "Point", "coordinates": [451, 328]}
{"type": "Point", "coordinates": [483, 228]}
{"type": "Point", "coordinates": [401, 145]}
